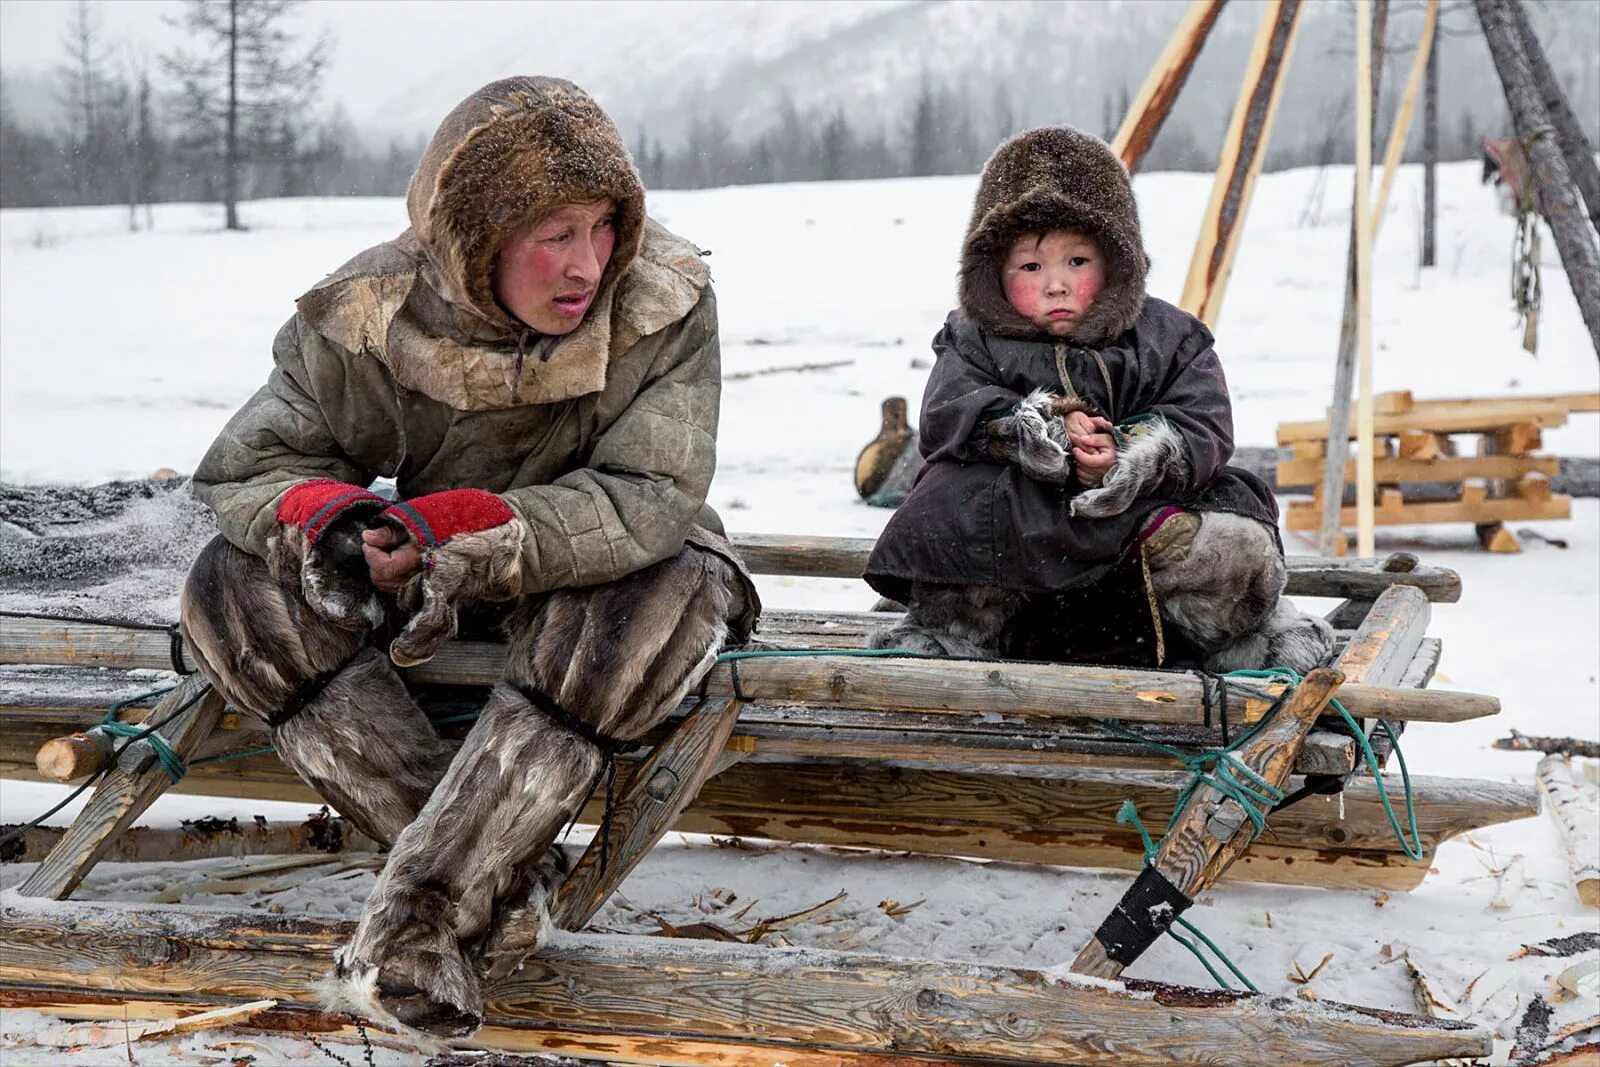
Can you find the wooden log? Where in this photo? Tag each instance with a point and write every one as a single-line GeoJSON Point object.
{"type": "Point", "coordinates": [1387, 640]}
{"type": "Point", "coordinates": [666, 782]}
{"type": "Point", "coordinates": [1365, 482]}
{"type": "Point", "coordinates": [1396, 145]}
{"type": "Point", "coordinates": [846, 557]}
{"type": "Point", "coordinates": [75, 1037]}
{"type": "Point", "coordinates": [1394, 471]}
{"type": "Point", "coordinates": [1460, 416]}
{"type": "Point", "coordinates": [127, 790]}
{"type": "Point", "coordinates": [1302, 513]}
{"type": "Point", "coordinates": [806, 999]}
{"type": "Point", "coordinates": [204, 839]}
{"type": "Point", "coordinates": [1032, 691]}
{"type": "Point", "coordinates": [1210, 831]}
{"type": "Point", "coordinates": [1566, 746]}
{"type": "Point", "coordinates": [66, 759]}
{"type": "Point", "coordinates": [1350, 613]}
{"type": "Point", "coordinates": [1576, 808]}
{"type": "Point", "coordinates": [1494, 537]}
{"type": "Point", "coordinates": [1150, 108]}
{"type": "Point", "coordinates": [1569, 137]}
{"type": "Point", "coordinates": [1243, 149]}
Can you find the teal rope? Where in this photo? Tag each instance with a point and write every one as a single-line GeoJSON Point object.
{"type": "Point", "coordinates": [1412, 848]}
{"type": "Point", "coordinates": [164, 755]}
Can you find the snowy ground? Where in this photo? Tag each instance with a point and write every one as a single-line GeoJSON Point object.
{"type": "Point", "coordinates": [122, 354]}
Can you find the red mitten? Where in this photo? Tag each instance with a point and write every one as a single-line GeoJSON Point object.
{"type": "Point", "coordinates": [317, 547]}
{"type": "Point", "coordinates": [471, 550]}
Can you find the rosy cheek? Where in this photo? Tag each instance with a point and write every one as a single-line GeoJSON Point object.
{"type": "Point", "coordinates": [1023, 293]}
{"type": "Point", "coordinates": [1088, 289]}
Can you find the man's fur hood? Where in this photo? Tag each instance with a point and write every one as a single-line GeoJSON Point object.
{"type": "Point", "coordinates": [1054, 178]}
{"type": "Point", "coordinates": [423, 303]}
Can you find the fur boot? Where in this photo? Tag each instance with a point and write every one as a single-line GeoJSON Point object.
{"type": "Point", "coordinates": [614, 660]}
{"type": "Point", "coordinates": [961, 621]}
{"type": "Point", "coordinates": [340, 716]}
{"type": "Point", "coordinates": [1220, 579]}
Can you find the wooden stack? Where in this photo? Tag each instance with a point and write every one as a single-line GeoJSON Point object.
{"type": "Point", "coordinates": [1418, 442]}
{"type": "Point", "coordinates": [1005, 760]}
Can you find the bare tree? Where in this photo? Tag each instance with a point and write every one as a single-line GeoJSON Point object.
{"type": "Point", "coordinates": [246, 82]}
{"type": "Point", "coordinates": [1559, 201]}
{"type": "Point", "coordinates": [1569, 134]}
{"type": "Point", "coordinates": [83, 99]}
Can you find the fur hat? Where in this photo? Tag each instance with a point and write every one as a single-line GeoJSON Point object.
{"type": "Point", "coordinates": [506, 154]}
{"type": "Point", "coordinates": [1054, 178]}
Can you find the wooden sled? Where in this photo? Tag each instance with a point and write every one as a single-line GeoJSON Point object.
{"type": "Point", "coordinates": [1005, 759]}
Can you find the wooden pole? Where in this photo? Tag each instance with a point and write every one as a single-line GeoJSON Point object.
{"type": "Point", "coordinates": [1402, 120]}
{"type": "Point", "coordinates": [1162, 85]}
{"type": "Point", "coordinates": [1569, 132]}
{"type": "Point", "coordinates": [1243, 149]}
{"type": "Point", "coordinates": [1430, 152]}
{"type": "Point", "coordinates": [1558, 194]}
{"type": "Point", "coordinates": [1366, 489]}
{"type": "Point", "coordinates": [1344, 372]}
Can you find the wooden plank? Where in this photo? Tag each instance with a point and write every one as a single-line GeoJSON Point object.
{"type": "Point", "coordinates": [1150, 108]}
{"type": "Point", "coordinates": [1349, 613]}
{"type": "Point", "coordinates": [957, 688]}
{"type": "Point", "coordinates": [1494, 537]}
{"type": "Point", "coordinates": [808, 998]}
{"type": "Point", "coordinates": [846, 557]}
{"type": "Point", "coordinates": [209, 839]}
{"type": "Point", "coordinates": [1243, 149]}
{"type": "Point", "coordinates": [1397, 143]}
{"type": "Point", "coordinates": [1391, 470]}
{"type": "Point", "coordinates": [1387, 640]}
{"type": "Point", "coordinates": [1302, 513]}
{"type": "Point", "coordinates": [1364, 227]}
{"type": "Point", "coordinates": [1463, 418]}
{"type": "Point", "coordinates": [663, 785]}
{"type": "Point", "coordinates": [1212, 829]}
{"type": "Point", "coordinates": [126, 791]}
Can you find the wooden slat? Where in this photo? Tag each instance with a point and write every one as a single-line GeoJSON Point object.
{"type": "Point", "coordinates": [1303, 516]}
{"type": "Point", "coordinates": [1387, 640]}
{"type": "Point", "coordinates": [1439, 418]}
{"type": "Point", "coordinates": [1167, 76]}
{"type": "Point", "coordinates": [808, 999]}
{"type": "Point", "coordinates": [1211, 830]}
{"type": "Point", "coordinates": [957, 688]}
{"type": "Point", "coordinates": [846, 557]}
{"type": "Point", "coordinates": [1389, 471]}
{"type": "Point", "coordinates": [663, 785]}
{"type": "Point", "coordinates": [125, 792]}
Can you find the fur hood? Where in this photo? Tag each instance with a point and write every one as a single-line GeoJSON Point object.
{"type": "Point", "coordinates": [423, 303]}
{"type": "Point", "coordinates": [1048, 179]}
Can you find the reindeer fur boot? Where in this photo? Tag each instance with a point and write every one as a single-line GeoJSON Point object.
{"type": "Point", "coordinates": [339, 715]}
{"type": "Point", "coordinates": [1219, 577]}
{"type": "Point", "coordinates": [587, 668]}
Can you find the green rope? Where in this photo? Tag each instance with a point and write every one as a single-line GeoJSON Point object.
{"type": "Point", "coordinates": [169, 760]}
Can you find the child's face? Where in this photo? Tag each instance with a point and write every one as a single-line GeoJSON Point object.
{"type": "Point", "coordinates": [1053, 279]}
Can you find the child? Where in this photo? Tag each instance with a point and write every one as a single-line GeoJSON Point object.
{"type": "Point", "coordinates": [1077, 433]}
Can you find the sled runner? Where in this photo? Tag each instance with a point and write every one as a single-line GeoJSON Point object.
{"type": "Point", "coordinates": [1014, 760]}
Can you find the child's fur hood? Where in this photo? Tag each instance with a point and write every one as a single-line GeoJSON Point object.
{"type": "Point", "coordinates": [1054, 178]}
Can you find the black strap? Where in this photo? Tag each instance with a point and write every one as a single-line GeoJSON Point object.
{"type": "Point", "coordinates": [305, 693]}
{"type": "Point", "coordinates": [609, 746]}
{"type": "Point", "coordinates": [175, 649]}
{"type": "Point", "coordinates": [1151, 904]}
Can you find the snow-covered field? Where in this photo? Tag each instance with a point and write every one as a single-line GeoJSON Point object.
{"type": "Point", "coordinates": [121, 354]}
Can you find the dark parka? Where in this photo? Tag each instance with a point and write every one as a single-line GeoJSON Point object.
{"type": "Point", "coordinates": [402, 363]}
{"type": "Point", "coordinates": [972, 520]}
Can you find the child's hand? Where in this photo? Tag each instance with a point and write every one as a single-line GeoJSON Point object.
{"type": "Point", "coordinates": [1093, 447]}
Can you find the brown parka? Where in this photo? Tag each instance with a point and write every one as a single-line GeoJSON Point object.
{"type": "Point", "coordinates": [401, 364]}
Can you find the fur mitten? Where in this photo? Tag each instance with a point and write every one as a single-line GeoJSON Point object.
{"type": "Point", "coordinates": [317, 548]}
{"type": "Point", "coordinates": [471, 550]}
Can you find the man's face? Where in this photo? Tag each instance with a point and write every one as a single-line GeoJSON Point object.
{"type": "Point", "coordinates": [1053, 279]}
{"type": "Point", "coordinates": [547, 272]}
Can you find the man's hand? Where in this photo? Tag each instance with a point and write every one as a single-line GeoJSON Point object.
{"type": "Point", "coordinates": [392, 557]}
{"type": "Point", "coordinates": [1093, 447]}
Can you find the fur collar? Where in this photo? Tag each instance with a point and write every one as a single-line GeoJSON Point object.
{"type": "Point", "coordinates": [1046, 179]}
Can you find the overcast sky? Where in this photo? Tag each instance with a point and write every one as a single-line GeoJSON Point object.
{"type": "Point", "coordinates": [380, 45]}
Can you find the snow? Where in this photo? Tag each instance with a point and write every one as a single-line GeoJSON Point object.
{"type": "Point", "coordinates": [121, 354]}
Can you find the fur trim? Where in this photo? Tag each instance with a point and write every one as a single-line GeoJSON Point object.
{"type": "Point", "coordinates": [467, 569]}
{"type": "Point", "coordinates": [1055, 178]}
{"type": "Point", "coordinates": [508, 153]}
